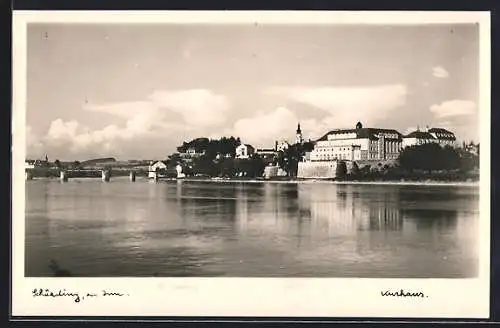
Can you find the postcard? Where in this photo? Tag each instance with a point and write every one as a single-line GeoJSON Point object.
{"type": "Point", "coordinates": [264, 164]}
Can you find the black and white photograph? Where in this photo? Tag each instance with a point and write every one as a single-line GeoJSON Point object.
{"type": "Point", "coordinates": [253, 148]}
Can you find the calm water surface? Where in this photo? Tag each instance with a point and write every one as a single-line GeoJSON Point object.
{"type": "Point", "coordinates": [250, 229]}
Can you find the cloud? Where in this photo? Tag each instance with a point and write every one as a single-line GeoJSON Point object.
{"type": "Point", "coordinates": [342, 107]}
{"type": "Point", "coordinates": [410, 130]}
{"type": "Point", "coordinates": [125, 110]}
{"type": "Point", "coordinates": [459, 116]}
{"type": "Point", "coordinates": [453, 108]}
{"type": "Point", "coordinates": [347, 105]}
{"type": "Point", "coordinates": [70, 137]}
{"type": "Point", "coordinates": [34, 146]}
{"type": "Point", "coordinates": [440, 72]}
{"type": "Point", "coordinates": [199, 107]}
{"type": "Point", "coordinates": [147, 121]}
{"type": "Point", "coordinates": [264, 128]}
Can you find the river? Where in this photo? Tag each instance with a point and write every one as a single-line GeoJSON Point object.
{"type": "Point", "coordinates": [210, 229]}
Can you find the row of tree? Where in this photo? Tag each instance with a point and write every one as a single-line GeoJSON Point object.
{"type": "Point", "coordinates": [226, 167]}
{"type": "Point", "coordinates": [212, 147]}
{"type": "Point", "coordinates": [432, 157]}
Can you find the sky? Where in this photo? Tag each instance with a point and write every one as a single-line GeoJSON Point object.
{"type": "Point", "coordinates": [139, 91]}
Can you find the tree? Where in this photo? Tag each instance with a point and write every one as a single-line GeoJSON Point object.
{"type": "Point", "coordinates": [226, 167]}
{"type": "Point", "coordinates": [289, 159]}
{"type": "Point", "coordinates": [307, 146]}
{"type": "Point", "coordinates": [204, 165]}
{"type": "Point", "coordinates": [355, 170]}
{"type": "Point", "coordinates": [257, 166]}
{"type": "Point", "coordinates": [341, 170]}
{"type": "Point", "coordinates": [449, 158]}
{"type": "Point", "coordinates": [429, 157]}
{"type": "Point", "coordinates": [57, 163]}
{"type": "Point", "coordinates": [173, 160]}
{"type": "Point", "coordinates": [212, 147]}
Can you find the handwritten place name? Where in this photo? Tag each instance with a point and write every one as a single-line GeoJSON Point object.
{"type": "Point", "coordinates": [403, 293]}
{"type": "Point", "coordinates": [76, 296]}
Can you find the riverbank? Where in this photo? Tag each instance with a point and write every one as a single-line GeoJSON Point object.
{"type": "Point", "coordinates": [324, 181]}
{"type": "Point", "coordinates": [283, 181]}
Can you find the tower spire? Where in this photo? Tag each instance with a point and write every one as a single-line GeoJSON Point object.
{"type": "Point", "coordinates": [299, 138]}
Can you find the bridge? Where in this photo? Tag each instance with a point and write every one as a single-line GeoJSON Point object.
{"type": "Point", "coordinates": [65, 174]}
{"type": "Point", "coordinates": [105, 174]}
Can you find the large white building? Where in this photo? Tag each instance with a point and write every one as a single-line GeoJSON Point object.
{"type": "Point", "coordinates": [440, 136]}
{"type": "Point", "coordinates": [357, 144]}
{"type": "Point", "coordinates": [418, 138]}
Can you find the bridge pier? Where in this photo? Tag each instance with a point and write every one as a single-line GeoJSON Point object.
{"type": "Point", "coordinates": [154, 175]}
{"type": "Point", "coordinates": [106, 175]}
{"type": "Point", "coordinates": [132, 176]}
{"type": "Point", "coordinates": [28, 175]}
{"type": "Point", "coordinates": [63, 176]}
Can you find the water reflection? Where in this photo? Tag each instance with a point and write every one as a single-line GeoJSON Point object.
{"type": "Point", "coordinates": [423, 219]}
{"type": "Point", "coordinates": [251, 229]}
{"type": "Point", "coordinates": [345, 210]}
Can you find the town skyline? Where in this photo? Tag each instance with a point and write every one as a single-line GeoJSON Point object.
{"type": "Point", "coordinates": [140, 91]}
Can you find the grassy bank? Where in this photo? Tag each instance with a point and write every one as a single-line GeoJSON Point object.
{"type": "Point", "coordinates": [330, 181]}
{"type": "Point", "coordinates": [414, 176]}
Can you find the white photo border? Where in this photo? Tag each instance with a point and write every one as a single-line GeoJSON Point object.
{"type": "Point", "coordinates": [245, 297]}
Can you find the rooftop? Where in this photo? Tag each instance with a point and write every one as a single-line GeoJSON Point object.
{"type": "Point", "coordinates": [362, 133]}
{"type": "Point", "coordinates": [439, 130]}
{"type": "Point", "coordinates": [443, 134]}
{"type": "Point", "coordinates": [420, 135]}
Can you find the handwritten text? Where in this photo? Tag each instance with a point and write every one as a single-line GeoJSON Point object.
{"type": "Point", "coordinates": [77, 297]}
{"type": "Point", "coordinates": [402, 293]}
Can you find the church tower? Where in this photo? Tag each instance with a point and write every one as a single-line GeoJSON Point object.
{"type": "Point", "coordinates": [298, 137]}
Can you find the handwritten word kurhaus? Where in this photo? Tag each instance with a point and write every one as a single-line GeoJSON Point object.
{"type": "Point", "coordinates": [402, 293]}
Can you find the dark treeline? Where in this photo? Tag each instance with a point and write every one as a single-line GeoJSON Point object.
{"type": "Point", "coordinates": [216, 158]}
{"type": "Point", "coordinates": [226, 167]}
{"type": "Point", "coordinates": [211, 147]}
{"type": "Point", "coordinates": [430, 157]}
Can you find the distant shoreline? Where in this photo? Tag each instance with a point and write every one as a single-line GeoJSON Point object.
{"type": "Point", "coordinates": [301, 181]}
